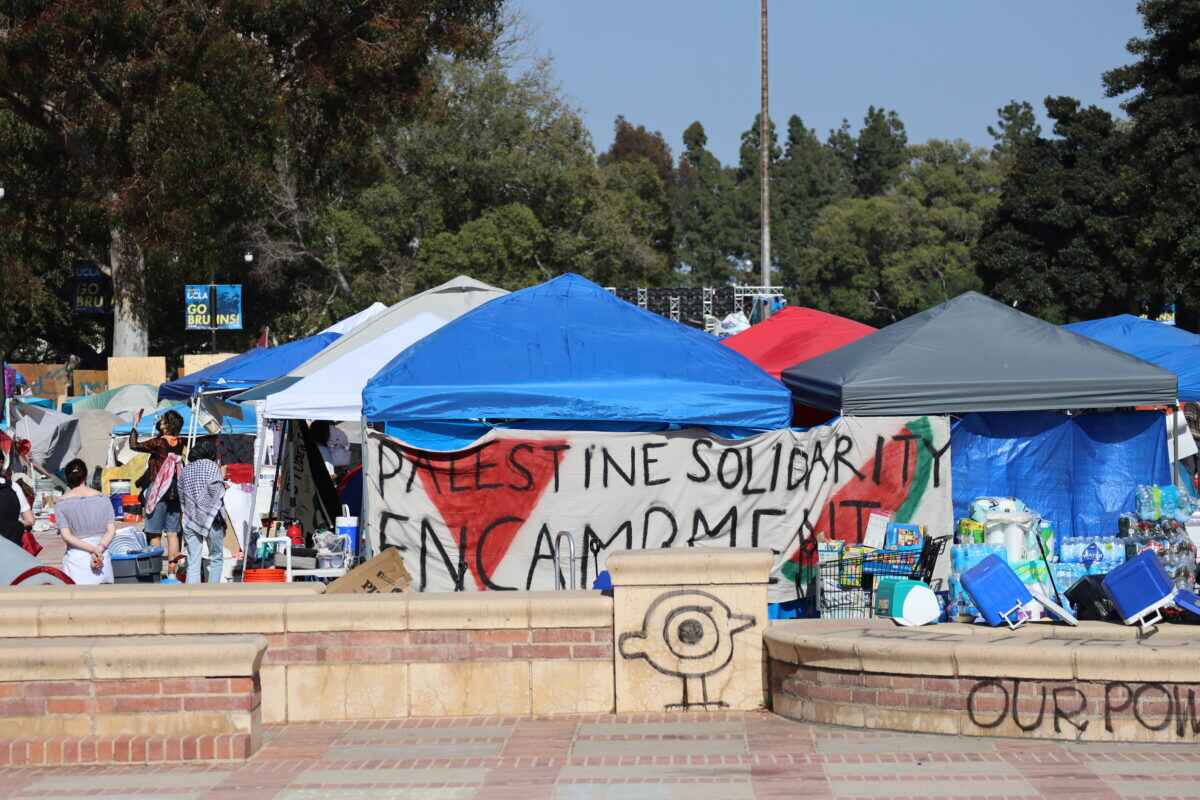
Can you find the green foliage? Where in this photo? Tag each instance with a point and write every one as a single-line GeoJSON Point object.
{"type": "Point", "coordinates": [168, 116]}
{"type": "Point", "coordinates": [809, 177]}
{"type": "Point", "coordinates": [1062, 242]}
{"type": "Point", "coordinates": [706, 223]}
{"type": "Point", "coordinates": [1016, 125]}
{"type": "Point", "coordinates": [880, 259]}
{"type": "Point", "coordinates": [879, 152]}
{"type": "Point", "coordinates": [1163, 161]}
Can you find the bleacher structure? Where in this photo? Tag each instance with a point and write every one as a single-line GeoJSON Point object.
{"type": "Point", "coordinates": [700, 307]}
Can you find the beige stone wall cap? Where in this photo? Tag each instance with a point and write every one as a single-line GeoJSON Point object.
{"type": "Point", "coordinates": [580, 609]}
{"type": "Point", "coordinates": [103, 658]}
{"type": "Point", "coordinates": [696, 566]}
{"type": "Point", "coordinates": [1101, 652]}
{"type": "Point", "coordinates": [468, 610]}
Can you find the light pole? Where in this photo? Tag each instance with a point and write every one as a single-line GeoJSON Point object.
{"type": "Point", "coordinates": [764, 145]}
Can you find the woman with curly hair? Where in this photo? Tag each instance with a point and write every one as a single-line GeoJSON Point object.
{"type": "Point", "coordinates": [159, 484]}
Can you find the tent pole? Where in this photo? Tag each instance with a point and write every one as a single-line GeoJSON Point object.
{"type": "Point", "coordinates": [365, 542]}
{"type": "Point", "coordinates": [1175, 445]}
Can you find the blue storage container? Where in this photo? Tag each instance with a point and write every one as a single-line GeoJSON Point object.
{"type": "Point", "coordinates": [143, 566]}
{"type": "Point", "coordinates": [997, 592]}
{"type": "Point", "coordinates": [1139, 588]}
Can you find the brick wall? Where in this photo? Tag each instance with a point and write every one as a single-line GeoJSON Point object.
{"type": "Point", "coordinates": [423, 646]}
{"type": "Point", "coordinates": [148, 720]}
{"type": "Point", "coordinates": [1117, 710]}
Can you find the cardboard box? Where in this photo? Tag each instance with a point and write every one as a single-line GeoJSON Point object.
{"type": "Point", "coordinates": [194, 362]}
{"type": "Point", "coordinates": [383, 573]}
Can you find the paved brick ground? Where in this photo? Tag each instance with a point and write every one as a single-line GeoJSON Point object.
{"type": "Point", "coordinates": [658, 757]}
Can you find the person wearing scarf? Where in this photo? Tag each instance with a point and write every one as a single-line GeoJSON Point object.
{"type": "Point", "coordinates": [202, 495]}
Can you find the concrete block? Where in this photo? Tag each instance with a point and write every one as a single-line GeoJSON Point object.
{"type": "Point", "coordinates": [274, 693]}
{"type": "Point", "coordinates": [186, 657]}
{"type": "Point", "coordinates": [347, 612]}
{"type": "Point", "coordinates": [227, 615]}
{"type": "Point", "coordinates": [1032, 661]}
{"type": "Point", "coordinates": [468, 611]}
{"type": "Point", "coordinates": [317, 692]}
{"type": "Point", "coordinates": [691, 647]}
{"type": "Point", "coordinates": [569, 610]}
{"type": "Point", "coordinates": [44, 660]}
{"type": "Point", "coordinates": [18, 620]}
{"type": "Point", "coordinates": [572, 687]}
{"type": "Point", "coordinates": [377, 691]}
{"type": "Point", "coordinates": [695, 567]}
{"type": "Point", "coordinates": [473, 688]}
{"type": "Point", "coordinates": [121, 617]}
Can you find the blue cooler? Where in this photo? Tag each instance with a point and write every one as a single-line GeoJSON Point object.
{"type": "Point", "coordinates": [997, 592]}
{"type": "Point", "coordinates": [1140, 588]}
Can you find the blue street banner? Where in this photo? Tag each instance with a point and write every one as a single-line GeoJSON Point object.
{"type": "Point", "coordinates": [228, 306]}
{"type": "Point", "coordinates": [198, 306]}
{"type": "Point", "coordinates": [213, 306]}
{"type": "Point", "coordinates": [92, 290]}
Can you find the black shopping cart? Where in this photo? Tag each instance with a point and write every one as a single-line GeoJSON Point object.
{"type": "Point", "coordinates": [846, 585]}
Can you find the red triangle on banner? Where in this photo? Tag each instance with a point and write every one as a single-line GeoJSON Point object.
{"type": "Point", "coordinates": [478, 488]}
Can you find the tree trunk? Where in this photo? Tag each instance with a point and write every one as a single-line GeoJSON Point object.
{"type": "Point", "coordinates": [130, 336]}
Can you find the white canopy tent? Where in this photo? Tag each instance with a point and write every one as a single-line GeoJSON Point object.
{"type": "Point", "coordinates": [350, 323]}
{"type": "Point", "coordinates": [329, 386]}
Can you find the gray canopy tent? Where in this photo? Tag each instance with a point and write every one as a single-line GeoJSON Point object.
{"type": "Point", "coordinates": [975, 354]}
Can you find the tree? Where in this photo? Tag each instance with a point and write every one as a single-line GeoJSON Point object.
{"type": "Point", "coordinates": [706, 223]}
{"type": "Point", "coordinates": [1164, 150]}
{"type": "Point", "coordinates": [1017, 125]}
{"type": "Point", "coordinates": [1063, 242]}
{"type": "Point", "coordinates": [630, 144]}
{"type": "Point", "coordinates": [880, 259]}
{"type": "Point", "coordinates": [748, 197]}
{"type": "Point", "coordinates": [879, 152]}
{"type": "Point", "coordinates": [169, 114]}
{"type": "Point", "coordinates": [808, 178]}
{"type": "Point", "coordinates": [630, 147]}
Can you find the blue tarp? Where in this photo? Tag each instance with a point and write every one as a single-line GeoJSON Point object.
{"type": "Point", "coordinates": [567, 351]}
{"type": "Point", "coordinates": [248, 369]}
{"type": "Point", "coordinates": [1165, 346]}
{"type": "Point", "coordinates": [1080, 473]}
{"type": "Point", "coordinates": [247, 425]}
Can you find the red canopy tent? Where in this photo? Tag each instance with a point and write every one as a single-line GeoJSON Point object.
{"type": "Point", "coordinates": [791, 336]}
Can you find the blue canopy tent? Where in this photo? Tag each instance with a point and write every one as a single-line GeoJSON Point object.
{"type": "Point", "coordinates": [247, 425]}
{"type": "Point", "coordinates": [567, 354]}
{"type": "Point", "coordinates": [1165, 346]}
{"type": "Point", "coordinates": [248, 369]}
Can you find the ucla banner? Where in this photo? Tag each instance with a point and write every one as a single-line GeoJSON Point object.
{"type": "Point", "coordinates": [486, 517]}
{"type": "Point", "coordinates": [213, 306]}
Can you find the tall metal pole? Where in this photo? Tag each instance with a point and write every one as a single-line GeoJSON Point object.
{"type": "Point", "coordinates": [764, 145]}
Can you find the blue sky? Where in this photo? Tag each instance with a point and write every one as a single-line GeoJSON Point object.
{"type": "Point", "coordinates": [944, 65]}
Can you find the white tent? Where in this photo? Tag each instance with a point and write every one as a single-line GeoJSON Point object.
{"type": "Point", "coordinates": [330, 384]}
{"type": "Point", "coordinates": [350, 323]}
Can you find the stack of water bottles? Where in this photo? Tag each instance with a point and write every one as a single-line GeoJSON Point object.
{"type": "Point", "coordinates": [1088, 555]}
{"type": "Point", "coordinates": [1007, 528]}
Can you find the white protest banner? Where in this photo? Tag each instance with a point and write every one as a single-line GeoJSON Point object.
{"type": "Point", "coordinates": [486, 517]}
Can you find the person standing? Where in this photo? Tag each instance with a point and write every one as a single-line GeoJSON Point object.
{"type": "Point", "coordinates": [202, 492]}
{"type": "Point", "coordinates": [86, 524]}
{"type": "Point", "coordinates": [165, 449]}
{"type": "Point", "coordinates": [15, 514]}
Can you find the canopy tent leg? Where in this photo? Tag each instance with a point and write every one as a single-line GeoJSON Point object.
{"type": "Point", "coordinates": [1175, 446]}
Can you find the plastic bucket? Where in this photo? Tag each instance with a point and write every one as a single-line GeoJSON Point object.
{"type": "Point", "coordinates": [268, 575]}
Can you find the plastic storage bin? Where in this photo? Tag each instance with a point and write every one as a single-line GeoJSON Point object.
{"type": "Point", "coordinates": [997, 592]}
{"type": "Point", "coordinates": [1139, 589]}
{"type": "Point", "coordinates": [144, 566]}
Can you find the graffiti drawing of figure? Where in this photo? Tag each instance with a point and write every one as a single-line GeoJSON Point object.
{"type": "Point", "coordinates": [687, 634]}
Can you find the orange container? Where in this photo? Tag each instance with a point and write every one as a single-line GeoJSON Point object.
{"type": "Point", "coordinates": [131, 507]}
{"type": "Point", "coordinates": [268, 575]}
